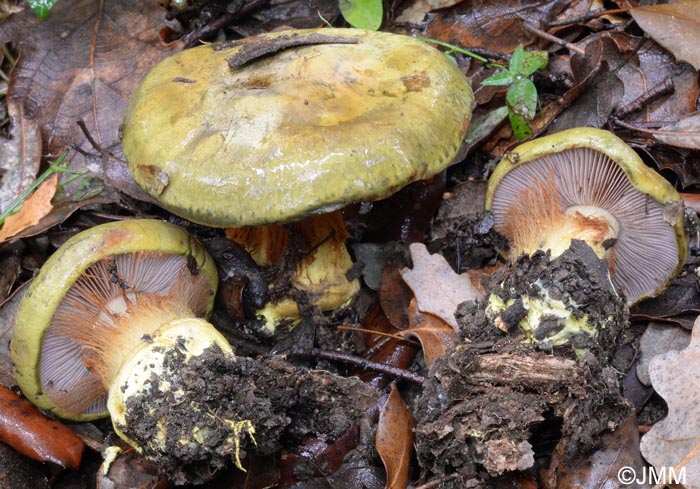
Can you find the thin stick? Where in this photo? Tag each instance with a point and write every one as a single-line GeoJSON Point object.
{"type": "Point", "coordinates": [586, 17]}
{"type": "Point", "coordinates": [360, 362]}
{"type": "Point", "coordinates": [691, 201]}
{"type": "Point", "coordinates": [534, 30]}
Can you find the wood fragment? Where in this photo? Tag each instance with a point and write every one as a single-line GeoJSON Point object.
{"type": "Point", "coordinates": [252, 50]}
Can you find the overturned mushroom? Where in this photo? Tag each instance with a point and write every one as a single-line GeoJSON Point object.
{"type": "Point", "coordinates": [100, 322]}
{"type": "Point", "coordinates": [287, 128]}
{"type": "Point", "coordinates": [114, 324]}
{"type": "Point", "coordinates": [587, 184]}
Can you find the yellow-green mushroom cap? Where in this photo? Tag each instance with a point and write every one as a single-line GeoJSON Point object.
{"type": "Point", "coordinates": [303, 131]}
{"type": "Point", "coordinates": [49, 367]}
{"type": "Point", "coordinates": [593, 167]}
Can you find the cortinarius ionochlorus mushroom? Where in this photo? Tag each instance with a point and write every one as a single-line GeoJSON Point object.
{"type": "Point", "coordinates": [587, 184]}
{"type": "Point", "coordinates": [292, 136]}
{"type": "Point", "coordinates": [100, 321]}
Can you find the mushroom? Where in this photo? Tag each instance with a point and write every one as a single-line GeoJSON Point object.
{"type": "Point", "coordinates": [103, 319]}
{"type": "Point", "coordinates": [271, 145]}
{"type": "Point", "coordinates": [587, 184]}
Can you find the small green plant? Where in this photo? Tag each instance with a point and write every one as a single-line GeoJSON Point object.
{"type": "Point", "coordinates": [41, 7]}
{"type": "Point", "coordinates": [521, 97]}
{"type": "Point", "coordinates": [58, 166]}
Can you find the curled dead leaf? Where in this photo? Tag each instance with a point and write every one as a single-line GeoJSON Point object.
{"type": "Point", "coordinates": [434, 334]}
{"type": "Point", "coordinates": [394, 440]}
{"type": "Point", "coordinates": [36, 206]}
{"type": "Point", "coordinates": [27, 430]}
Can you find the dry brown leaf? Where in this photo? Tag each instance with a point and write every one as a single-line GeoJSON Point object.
{"type": "Point", "coordinates": [438, 289]}
{"type": "Point", "coordinates": [496, 25]}
{"type": "Point", "coordinates": [84, 62]}
{"type": "Point", "coordinates": [685, 133]}
{"type": "Point", "coordinates": [394, 440]}
{"type": "Point", "coordinates": [675, 440]}
{"type": "Point", "coordinates": [676, 26]}
{"type": "Point", "coordinates": [36, 206]}
{"type": "Point", "coordinates": [434, 334]}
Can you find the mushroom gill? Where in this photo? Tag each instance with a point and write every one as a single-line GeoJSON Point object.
{"type": "Point", "coordinates": [116, 301]}
{"type": "Point", "coordinates": [581, 193]}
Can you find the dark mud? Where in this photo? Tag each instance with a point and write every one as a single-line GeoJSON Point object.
{"type": "Point", "coordinates": [206, 426]}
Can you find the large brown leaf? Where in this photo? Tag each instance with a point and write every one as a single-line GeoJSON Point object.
{"type": "Point", "coordinates": [676, 26]}
{"type": "Point", "coordinates": [685, 133]}
{"type": "Point", "coordinates": [394, 440]}
{"type": "Point", "coordinates": [494, 25]}
{"type": "Point", "coordinates": [84, 62]}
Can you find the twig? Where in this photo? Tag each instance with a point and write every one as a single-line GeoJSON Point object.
{"type": "Point", "coordinates": [691, 201]}
{"type": "Point", "coordinates": [663, 88]}
{"type": "Point", "coordinates": [91, 140]}
{"type": "Point", "coordinates": [538, 32]}
{"type": "Point", "coordinates": [360, 362]}
{"type": "Point", "coordinates": [588, 16]}
{"type": "Point", "coordinates": [437, 482]}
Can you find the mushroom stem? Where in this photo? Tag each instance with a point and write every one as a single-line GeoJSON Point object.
{"type": "Point", "coordinates": [315, 248]}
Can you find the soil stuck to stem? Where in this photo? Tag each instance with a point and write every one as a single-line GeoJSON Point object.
{"type": "Point", "coordinates": [485, 404]}
{"type": "Point", "coordinates": [201, 414]}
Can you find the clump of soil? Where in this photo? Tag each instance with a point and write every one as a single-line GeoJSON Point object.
{"type": "Point", "coordinates": [485, 401]}
{"type": "Point", "coordinates": [568, 300]}
{"type": "Point", "coordinates": [203, 413]}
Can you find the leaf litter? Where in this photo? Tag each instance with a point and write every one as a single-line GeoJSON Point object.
{"type": "Point", "coordinates": [644, 92]}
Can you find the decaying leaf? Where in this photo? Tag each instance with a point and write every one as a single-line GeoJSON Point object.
{"type": "Point", "coordinates": [20, 154]}
{"type": "Point", "coordinates": [676, 26]}
{"type": "Point", "coordinates": [417, 10]}
{"type": "Point", "coordinates": [84, 62]}
{"type": "Point", "coordinates": [394, 440]}
{"type": "Point", "coordinates": [438, 289]}
{"type": "Point", "coordinates": [658, 338]}
{"type": "Point", "coordinates": [434, 334]}
{"type": "Point", "coordinates": [685, 133]}
{"type": "Point", "coordinates": [27, 430]}
{"type": "Point", "coordinates": [36, 206]}
{"type": "Point", "coordinates": [675, 440]}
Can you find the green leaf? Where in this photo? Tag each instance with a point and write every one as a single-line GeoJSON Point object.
{"type": "Point", "coordinates": [521, 130]}
{"type": "Point", "coordinates": [521, 97]}
{"type": "Point", "coordinates": [362, 14]}
{"type": "Point", "coordinates": [533, 61]}
{"type": "Point", "coordinates": [516, 60]}
{"type": "Point", "coordinates": [500, 78]}
{"type": "Point", "coordinates": [41, 7]}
